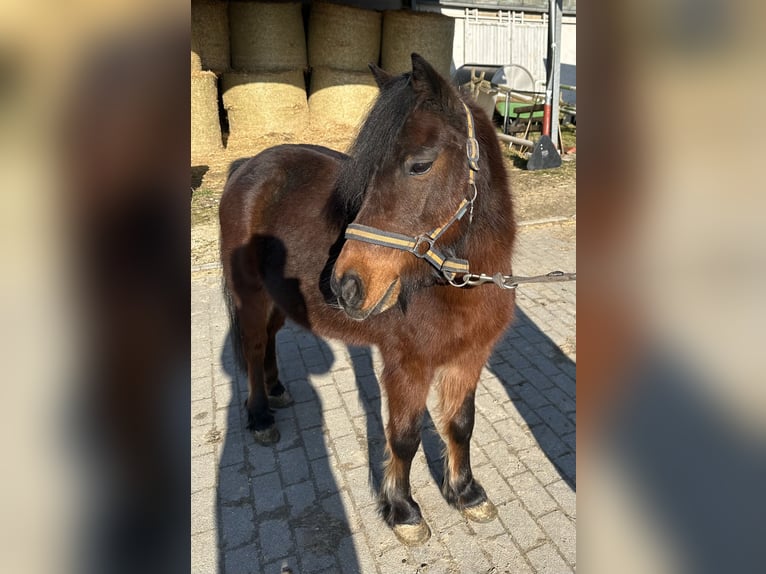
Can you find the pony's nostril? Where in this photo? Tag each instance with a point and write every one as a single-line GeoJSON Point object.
{"type": "Point", "coordinates": [351, 289]}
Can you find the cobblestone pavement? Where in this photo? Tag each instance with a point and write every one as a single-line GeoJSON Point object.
{"type": "Point", "coordinates": [307, 503]}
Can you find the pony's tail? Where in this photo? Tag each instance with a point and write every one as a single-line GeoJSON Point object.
{"type": "Point", "coordinates": [235, 331]}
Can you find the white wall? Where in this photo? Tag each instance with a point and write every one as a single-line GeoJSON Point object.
{"type": "Point", "coordinates": [569, 56]}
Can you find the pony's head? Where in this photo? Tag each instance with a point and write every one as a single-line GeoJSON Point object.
{"type": "Point", "coordinates": [407, 176]}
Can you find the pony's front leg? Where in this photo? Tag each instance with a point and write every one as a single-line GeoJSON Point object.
{"type": "Point", "coordinates": [406, 387]}
{"type": "Point", "coordinates": [457, 388]}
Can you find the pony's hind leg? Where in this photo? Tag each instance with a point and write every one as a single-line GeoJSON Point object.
{"type": "Point", "coordinates": [254, 314]}
{"type": "Point", "coordinates": [279, 396]}
{"type": "Point", "coordinates": [406, 388]}
{"type": "Point", "coordinates": [457, 390]}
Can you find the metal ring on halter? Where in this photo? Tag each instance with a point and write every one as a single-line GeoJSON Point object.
{"type": "Point", "coordinates": [420, 241]}
{"type": "Point", "coordinates": [465, 281]}
{"type": "Point", "coordinates": [475, 193]}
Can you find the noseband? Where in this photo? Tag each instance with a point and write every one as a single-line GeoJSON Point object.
{"type": "Point", "coordinates": [422, 246]}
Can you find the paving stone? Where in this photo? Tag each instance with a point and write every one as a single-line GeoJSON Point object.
{"type": "Point", "coordinates": [540, 465]}
{"type": "Point", "coordinates": [566, 498]}
{"type": "Point", "coordinates": [350, 452]}
{"type": "Point", "coordinates": [545, 560]}
{"type": "Point", "coordinates": [275, 539]}
{"type": "Point", "coordinates": [233, 450]}
{"type": "Point", "coordinates": [495, 485]}
{"type": "Point", "coordinates": [293, 465]}
{"type": "Point", "coordinates": [324, 480]}
{"type": "Point", "coordinates": [267, 492]}
{"type": "Point", "coordinates": [204, 553]}
{"type": "Point", "coordinates": [505, 556]}
{"type": "Point", "coordinates": [462, 547]}
{"type": "Point", "coordinates": [532, 494]}
{"type": "Point", "coordinates": [568, 465]}
{"type": "Point", "coordinates": [202, 441]}
{"type": "Point", "coordinates": [553, 417]}
{"type": "Point", "coordinates": [244, 560]}
{"type": "Point", "coordinates": [308, 415]}
{"type": "Point", "coordinates": [299, 497]}
{"type": "Point", "coordinates": [288, 430]}
{"type": "Point", "coordinates": [203, 511]}
{"type": "Point", "coordinates": [237, 526]}
{"type": "Point", "coordinates": [203, 472]}
{"type": "Point", "coordinates": [338, 422]}
{"type": "Point", "coordinates": [233, 484]}
{"type": "Point", "coordinates": [262, 459]}
{"type": "Point", "coordinates": [560, 399]}
{"type": "Point", "coordinates": [561, 531]}
{"type": "Point", "coordinates": [520, 524]}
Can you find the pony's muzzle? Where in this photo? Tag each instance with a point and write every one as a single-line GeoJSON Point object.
{"type": "Point", "coordinates": [352, 296]}
{"type": "Point", "coordinates": [349, 290]}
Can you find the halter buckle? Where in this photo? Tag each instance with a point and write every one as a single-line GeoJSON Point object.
{"type": "Point", "coordinates": [472, 151]}
{"type": "Point", "coordinates": [420, 241]}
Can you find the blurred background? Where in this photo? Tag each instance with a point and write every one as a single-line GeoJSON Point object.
{"type": "Point", "coordinates": [670, 387]}
{"type": "Point", "coordinates": [94, 145]}
{"type": "Point", "coordinates": [94, 134]}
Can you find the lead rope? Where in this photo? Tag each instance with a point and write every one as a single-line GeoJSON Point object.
{"type": "Point", "coordinates": [510, 281]}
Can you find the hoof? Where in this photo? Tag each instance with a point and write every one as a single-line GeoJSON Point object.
{"type": "Point", "coordinates": [266, 436]}
{"type": "Point", "coordinates": [484, 512]}
{"type": "Point", "coordinates": [281, 401]}
{"type": "Point", "coordinates": [412, 534]}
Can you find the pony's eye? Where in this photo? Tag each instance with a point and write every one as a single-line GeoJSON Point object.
{"type": "Point", "coordinates": [420, 168]}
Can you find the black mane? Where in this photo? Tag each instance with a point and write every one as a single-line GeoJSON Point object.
{"type": "Point", "coordinates": [375, 140]}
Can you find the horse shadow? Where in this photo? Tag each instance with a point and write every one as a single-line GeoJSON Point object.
{"type": "Point", "coordinates": [197, 175]}
{"type": "Point", "coordinates": [278, 507]}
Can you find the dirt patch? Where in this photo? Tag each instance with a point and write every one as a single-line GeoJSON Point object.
{"type": "Point", "coordinates": [546, 194]}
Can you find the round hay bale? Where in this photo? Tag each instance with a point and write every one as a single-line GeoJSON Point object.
{"type": "Point", "coordinates": [343, 37]}
{"type": "Point", "coordinates": [196, 62]}
{"type": "Point", "coordinates": [340, 97]}
{"type": "Point", "coordinates": [267, 36]}
{"type": "Point", "coordinates": [428, 34]}
{"type": "Point", "coordinates": [205, 126]}
{"type": "Point", "coordinates": [260, 103]}
{"type": "Point", "coordinates": [210, 34]}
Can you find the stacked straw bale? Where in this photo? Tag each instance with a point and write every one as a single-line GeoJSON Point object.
{"type": "Point", "coordinates": [262, 103]}
{"type": "Point", "coordinates": [210, 34]}
{"type": "Point", "coordinates": [265, 97]}
{"type": "Point", "coordinates": [205, 126]}
{"type": "Point", "coordinates": [267, 36]}
{"type": "Point", "coordinates": [343, 37]}
{"type": "Point", "coordinates": [342, 42]}
{"type": "Point", "coordinates": [428, 34]}
{"type": "Point", "coordinates": [340, 97]}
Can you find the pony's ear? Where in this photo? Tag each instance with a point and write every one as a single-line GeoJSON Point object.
{"type": "Point", "coordinates": [429, 85]}
{"type": "Point", "coordinates": [381, 76]}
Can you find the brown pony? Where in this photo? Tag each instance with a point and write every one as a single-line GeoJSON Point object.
{"type": "Point", "coordinates": [363, 248]}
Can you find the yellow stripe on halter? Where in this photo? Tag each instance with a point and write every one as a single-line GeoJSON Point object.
{"type": "Point", "coordinates": [380, 238]}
